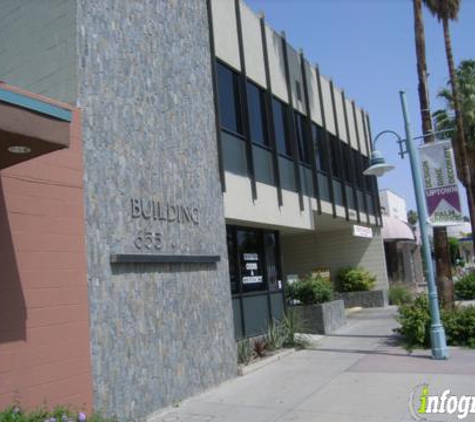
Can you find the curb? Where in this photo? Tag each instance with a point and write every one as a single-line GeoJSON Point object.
{"type": "Point", "coordinates": [253, 367]}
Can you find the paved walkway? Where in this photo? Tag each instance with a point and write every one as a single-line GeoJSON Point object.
{"type": "Point", "coordinates": [357, 374]}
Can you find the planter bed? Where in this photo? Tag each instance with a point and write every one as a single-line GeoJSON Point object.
{"type": "Point", "coordinates": [369, 299]}
{"type": "Point", "coordinates": [324, 318]}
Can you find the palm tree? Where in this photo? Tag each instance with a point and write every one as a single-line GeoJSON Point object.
{"type": "Point", "coordinates": [446, 11]}
{"type": "Point", "coordinates": [441, 245]}
{"type": "Point", "coordinates": [465, 82]}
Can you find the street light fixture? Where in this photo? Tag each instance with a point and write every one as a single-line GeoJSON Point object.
{"type": "Point", "coordinates": [377, 168]}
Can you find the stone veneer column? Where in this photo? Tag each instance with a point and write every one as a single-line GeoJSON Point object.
{"type": "Point", "coordinates": [159, 332]}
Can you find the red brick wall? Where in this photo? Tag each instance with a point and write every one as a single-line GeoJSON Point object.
{"type": "Point", "coordinates": [44, 322]}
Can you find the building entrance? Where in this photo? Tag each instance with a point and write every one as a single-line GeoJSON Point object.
{"type": "Point", "coordinates": [256, 279]}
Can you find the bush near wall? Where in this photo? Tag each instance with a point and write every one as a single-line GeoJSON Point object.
{"type": "Point", "coordinates": [465, 287]}
{"type": "Point", "coordinates": [310, 290]}
{"type": "Point", "coordinates": [399, 294]}
{"type": "Point", "coordinates": [414, 318]}
{"type": "Point", "coordinates": [355, 279]}
{"type": "Point", "coordinates": [58, 414]}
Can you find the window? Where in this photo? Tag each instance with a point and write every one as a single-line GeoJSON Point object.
{"type": "Point", "coordinates": [251, 258]}
{"type": "Point", "coordinates": [270, 244]}
{"type": "Point", "coordinates": [298, 90]}
{"type": "Point", "coordinates": [369, 180]}
{"type": "Point", "coordinates": [335, 156]}
{"type": "Point", "coordinates": [304, 154]}
{"type": "Point", "coordinates": [233, 270]}
{"type": "Point", "coordinates": [257, 120]}
{"type": "Point", "coordinates": [279, 111]}
{"type": "Point", "coordinates": [254, 263]}
{"type": "Point", "coordinates": [357, 159]}
{"type": "Point", "coordinates": [347, 156]}
{"type": "Point", "coordinates": [320, 150]}
{"type": "Point", "coordinates": [229, 99]}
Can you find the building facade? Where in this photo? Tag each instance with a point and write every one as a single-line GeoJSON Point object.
{"type": "Point", "coordinates": [401, 244]}
{"type": "Point", "coordinates": [393, 205]}
{"type": "Point", "coordinates": [200, 163]}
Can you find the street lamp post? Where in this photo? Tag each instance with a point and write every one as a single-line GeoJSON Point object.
{"type": "Point", "coordinates": [378, 168]}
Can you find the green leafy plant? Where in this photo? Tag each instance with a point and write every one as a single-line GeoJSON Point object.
{"type": "Point", "coordinates": [311, 290]}
{"type": "Point", "coordinates": [42, 414]}
{"type": "Point", "coordinates": [244, 352]}
{"type": "Point", "coordinates": [293, 326]}
{"type": "Point", "coordinates": [399, 294]}
{"type": "Point", "coordinates": [459, 324]}
{"type": "Point", "coordinates": [276, 335]}
{"type": "Point", "coordinates": [355, 279]}
{"type": "Point", "coordinates": [415, 323]}
{"type": "Point", "coordinates": [465, 287]}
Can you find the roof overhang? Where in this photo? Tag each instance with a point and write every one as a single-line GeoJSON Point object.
{"type": "Point", "coordinates": [30, 125]}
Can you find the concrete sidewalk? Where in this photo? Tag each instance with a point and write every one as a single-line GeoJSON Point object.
{"type": "Point", "coordinates": [357, 374]}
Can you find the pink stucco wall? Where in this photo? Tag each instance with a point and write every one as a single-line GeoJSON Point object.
{"type": "Point", "coordinates": [44, 323]}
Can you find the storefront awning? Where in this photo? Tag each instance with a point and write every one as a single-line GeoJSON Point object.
{"type": "Point", "coordinates": [395, 229]}
{"type": "Point", "coordinates": [30, 125]}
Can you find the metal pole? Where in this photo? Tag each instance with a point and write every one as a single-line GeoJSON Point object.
{"type": "Point", "coordinates": [437, 333]}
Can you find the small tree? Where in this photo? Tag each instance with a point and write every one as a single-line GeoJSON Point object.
{"type": "Point", "coordinates": [412, 217]}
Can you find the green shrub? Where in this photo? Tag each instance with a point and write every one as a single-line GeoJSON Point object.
{"type": "Point", "coordinates": [293, 326]}
{"type": "Point", "coordinates": [58, 414]}
{"type": "Point", "coordinates": [311, 290]}
{"type": "Point", "coordinates": [460, 326]}
{"type": "Point", "coordinates": [355, 279]}
{"type": "Point", "coordinates": [414, 318]}
{"type": "Point", "coordinates": [415, 322]}
{"type": "Point", "coordinates": [276, 335]}
{"type": "Point", "coordinates": [244, 352]}
{"type": "Point", "coordinates": [399, 295]}
{"type": "Point", "coordinates": [465, 287]}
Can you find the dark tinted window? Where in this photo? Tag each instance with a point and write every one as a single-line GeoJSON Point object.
{"type": "Point", "coordinates": [358, 169]}
{"type": "Point", "coordinates": [270, 244]}
{"type": "Point", "coordinates": [335, 156]}
{"type": "Point", "coordinates": [347, 166]}
{"type": "Point", "coordinates": [251, 258]}
{"type": "Point", "coordinates": [228, 93]}
{"type": "Point", "coordinates": [320, 150]}
{"type": "Point", "coordinates": [233, 269]}
{"type": "Point", "coordinates": [279, 111]}
{"type": "Point", "coordinates": [256, 108]}
{"type": "Point", "coordinates": [304, 154]}
{"type": "Point", "coordinates": [369, 180]}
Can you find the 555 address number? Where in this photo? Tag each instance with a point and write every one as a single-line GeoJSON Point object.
{"type": "Point", "coordinates": [148, 240]}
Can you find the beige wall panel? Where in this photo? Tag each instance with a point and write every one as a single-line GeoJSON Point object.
{"type": "Point", "coordinates": [370, 141]}
{"type": "Point", "coordinates": [351, 123]}
{"type": "Point", "coordinates": [335, 249]}
{"type": "Point", "coordinates": [225, 32]}
{"type": "Point", "coordinates": [295, 69]}
{"type": "Point", "coordinates": [340, 211]}
{"type": "Point", "coordinates": [276, 64]}
{"type": "Point", "coordinates": [340, 115]}
{"type": "Point", "coordinates": [359, 119]}
{"type": "Point", "coordinates": [253, 51]}
{"type": "Point", "coordinates": [238, 205]}
{"type": "Point", "coordinates": [352, 214]}
{"type": "Point", "coordinates": [327, 103]}
{"type": "Point", "coordinates": [326, 207]}
{"type": "Point", "coordinates": [314, 98]}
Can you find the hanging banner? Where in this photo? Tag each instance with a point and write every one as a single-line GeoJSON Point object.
{"type": "Point", "coordinates": [440, 183]}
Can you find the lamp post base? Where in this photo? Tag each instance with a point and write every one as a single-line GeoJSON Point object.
{"type": "Point", "coordinates": [438, 342]}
